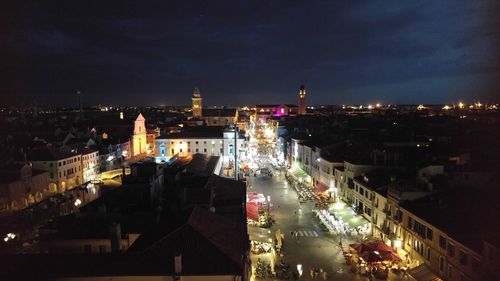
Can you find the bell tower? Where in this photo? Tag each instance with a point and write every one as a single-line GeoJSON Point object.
{"type": "Point", "coordinates": [302, 100]}
{"type": "Point", "coordinates": [197, 109]}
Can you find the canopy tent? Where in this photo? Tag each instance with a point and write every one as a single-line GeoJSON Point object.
{"type": "Point", "coordinates": [321, 187]}
{"type": "Point", "coordinates": [260, 234]}
{"type": "Point", "coordinates": [380, 246]}
{"type": "Point", "coordinates": [298, 172]}
{"type": "Point", "coordinates": [370, 252]}
{"type": "Point", "coordinates": [252, 212]}
{"type": "Point", "coordinates": [390, 256]}
{"type": "Point", "coordinates": [347, 214]}
{"type": "Point", "coordinates": [371, 256]}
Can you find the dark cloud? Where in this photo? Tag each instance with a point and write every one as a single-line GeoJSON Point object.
{"type": "Point", "coordinates": [133, 52]}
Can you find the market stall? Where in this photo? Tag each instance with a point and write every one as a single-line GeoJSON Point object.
{"type": "Point", "coordinates": [261, 241]}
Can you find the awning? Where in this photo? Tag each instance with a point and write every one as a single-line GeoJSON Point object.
{"type": "Point", "coordinates": [423, 273]}
{"type": "Point", "coordinates": [259, 234]}
{"type": "Point", "coordinates": [321, 187]}
{"type": "Point", "coordinates": [252, 212]}
{"type": "Point", "coordinates": [298, 172]}
{"type": "Point", "coordinates": [347, 214]}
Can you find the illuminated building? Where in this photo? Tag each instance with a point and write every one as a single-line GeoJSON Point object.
{"type": "Point", "coordinates": [139, 138]}
{"type": "Point", "coordinates": [21, 186]}
{"type": "Point", "coordinates": [264, 111]}
{"type": "Point", "coordinates": [65, 168]}
{"type": "Point", "coordinates": [302, 100]}
{"type": "Point", "coordinates": [205, 140]}
{"type": "Point", "coordinates": [197, 100]}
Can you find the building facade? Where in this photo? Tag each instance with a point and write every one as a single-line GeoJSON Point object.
{"type": "Point", "coordinates": [64, 168]}
{"type": "Point", "coordinates": [21, 186]}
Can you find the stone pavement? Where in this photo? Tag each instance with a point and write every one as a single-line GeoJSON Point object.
{"type": "Point", "coordinates": [314, 247]}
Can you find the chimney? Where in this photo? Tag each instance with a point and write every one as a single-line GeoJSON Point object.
{"type": "Point", "coordinates": [116, 237]}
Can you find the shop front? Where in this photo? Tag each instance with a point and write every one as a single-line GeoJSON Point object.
{"type": "Point", "coordinates": [261, 240]}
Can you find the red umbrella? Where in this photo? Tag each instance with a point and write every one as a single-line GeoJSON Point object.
{"type": "Point", "coordinates": [356, 246]}
{"type": "Point", "coordinates": [371, 256]}
{"type": "Point", "coordinates": [390, 256]}
{"type": "Point", "coordinates": [380, 246]}
{"type": "Point", "coordinates": [360, 247]}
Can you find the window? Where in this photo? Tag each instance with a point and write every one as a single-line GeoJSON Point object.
{"type": "Point", "coordinates": [180, 142]}
{"type": "Point", "coordinates": [428, 254]}
{"type": "Point", "coordinates": [205, 142]}
{"type": "Point", "coordinates": [197, 150]}
{"type": "Point", "coordinates": [171, 142]}
{"type": "Point", "coordinates": [51, 165]}
{"type": "Point", "coordinates": [451, 250]}
{"type": "Point", "coordinates": [189, 149]}
{"type": "Point", "coordinates": [450, 271]}
{"type": "Point", "coordinates": [59, 164]}
{"type": "Point", "coordinates": [429, 233]}
{"type": "Point", "coordinates": [442, 242]}
{"type": "Point", "coordinates": [204, 150]}
{"type": "Point", "coordinates": [221, 150]}
{"type": "Point", "coordinates": [172, 151]}
{"type": "Point", "coordinates": [196, 142]}
{"type": "Point", "coordinates": [64, 162]}
{"type": "Point", "coordinates": [441, 264]}
{"type": "Point", "coordinates": [463, 257]}
{"type": "Point", "coordinates": [418, 246]}
{"type": "Point", "coordinates": [189, 143]}
{"type": "Point", "coordinates": [410, 222]}
{"type": "Point", "coordinates": [180, 150]}
{"type": "Point", "coordinates": [51, 175]}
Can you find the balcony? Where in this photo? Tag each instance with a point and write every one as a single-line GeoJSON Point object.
{"type": "Point", "coordinates": [386, 230]}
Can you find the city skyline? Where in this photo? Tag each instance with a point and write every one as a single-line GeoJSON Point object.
{"type": "Point", "coordinates": [250, 53]}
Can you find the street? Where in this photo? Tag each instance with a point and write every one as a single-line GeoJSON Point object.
{"type": "Point", "coordinates": [313, 247]}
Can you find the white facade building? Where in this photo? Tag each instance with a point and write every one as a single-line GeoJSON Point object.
{"type": "Point", "coordinates": [65, 168]}
{"type": "Point", "coordinates": [215, 143]}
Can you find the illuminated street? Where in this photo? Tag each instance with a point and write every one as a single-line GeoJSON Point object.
{"type": "Point", "coordinates": [314, 247]}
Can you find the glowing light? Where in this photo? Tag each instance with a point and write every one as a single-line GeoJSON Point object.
{"type": "Point", "coordinates": [446, 107]}
{"type": "Point", "coordinates": [461, 105]}
{"type": "Point", "coordinates": [378, 105]}
{"type": "Point", "coordinates": [299, 269]}
{"type": "Point", "coordinates": [78, 202]}
{"type": "Point", "coordinates": [398, 244]}
{"type": "Point", "coordinates": [370, 106]}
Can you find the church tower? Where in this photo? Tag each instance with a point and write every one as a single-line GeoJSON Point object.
{"type": "Point", "coordinates": [139, 140]}
{"type": "Point", "coordinates": [302, 100]}
{"type": "Point", "coordinates": [197, 109]}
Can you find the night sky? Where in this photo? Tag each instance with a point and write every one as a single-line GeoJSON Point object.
{"type": "Point", "coordinates": [248, 52]}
